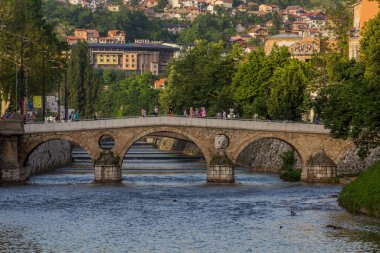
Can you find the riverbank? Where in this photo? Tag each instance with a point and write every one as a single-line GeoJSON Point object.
{"type": "Point", "coordinates": [363, 194]}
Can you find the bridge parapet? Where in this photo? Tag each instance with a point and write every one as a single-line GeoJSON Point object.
{"type": "Point", "coordinates": [12, 127]}
{"type": "Point", "coordinates": [176, 121]}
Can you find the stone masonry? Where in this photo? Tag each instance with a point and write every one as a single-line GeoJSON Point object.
{"type": "Point", "coordinates": [306, 139]}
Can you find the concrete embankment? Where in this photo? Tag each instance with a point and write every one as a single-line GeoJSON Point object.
{"type": "Point", "coordinates": [49, 156]}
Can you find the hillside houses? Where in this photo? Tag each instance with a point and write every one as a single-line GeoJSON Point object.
{"type": "Point", "coordinates": [93, 36]}
{"type": "Point", "coordinates": [294, 19]}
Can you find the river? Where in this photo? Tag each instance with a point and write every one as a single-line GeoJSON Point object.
{"type": "Point", "coordinates": [164, 205]}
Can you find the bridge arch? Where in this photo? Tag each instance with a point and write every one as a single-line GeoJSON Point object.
{"type": "Point", "coordinates": [35, 144]}
{"type": "Point", "coordinates": [277, 136]}
{"type": "Point", "coordinates": [164, 129]}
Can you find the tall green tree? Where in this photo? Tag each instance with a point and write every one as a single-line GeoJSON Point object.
{"type": "Point", "coordinates": [84, 83]}
{"type": "Point", "coordinates": [350, 107]}
{"type": "Point", "coordinates": [251, 84]}
{"type": "Point", "coordinates": [288, 91]}
{"type": "Point", "coordinates": [25, 32]}
{"type": "Point", "coordinates": [200, 77]}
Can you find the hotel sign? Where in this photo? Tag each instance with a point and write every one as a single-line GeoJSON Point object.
{"type": "Point", "coordinates": [144, 41]}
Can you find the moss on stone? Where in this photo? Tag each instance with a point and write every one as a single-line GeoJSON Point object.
{"type": "Point", "coordinates": [221, 160]}
{"type": "Point", "coordinates": [363, 194]}
{"type": "Point", "coordinates": [107, 158]}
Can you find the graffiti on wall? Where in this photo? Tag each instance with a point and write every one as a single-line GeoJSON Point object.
{"type": "Point", "coordinates": [304, 48]}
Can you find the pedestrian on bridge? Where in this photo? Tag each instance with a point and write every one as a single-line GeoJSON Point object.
{"type": "Point", "coordinates": [76, 115]}
{"type": "Point", "coordinates": [155, 111]}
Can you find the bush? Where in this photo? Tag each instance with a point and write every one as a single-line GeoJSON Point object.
{"type": "Point", "coordinates": [288, 161]}
{"type": "Point", "coordinates": [291, 175]}
{"type": "Point", "coordinates": [363, 194]}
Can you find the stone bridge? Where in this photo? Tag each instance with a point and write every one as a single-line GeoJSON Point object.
{"type": "Point", "coordinates": [308, 140]}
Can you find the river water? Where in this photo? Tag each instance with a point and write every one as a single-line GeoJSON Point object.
{"type": "Point", "coordinates": [164, 205]}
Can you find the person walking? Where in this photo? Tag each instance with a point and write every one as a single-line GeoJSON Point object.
{"type": "Point", "coordinates": [185, 112]}
{"type": "Point", "coordinates": [155, 111]}
{"type": "Point", "coordinates": [76, 115]}
{"type": "Point", "coordinates": [143, 112]}
{"type": "Point", "coordinates": [224, 113]}
{"type": "Point", "coordinates": [191, 112]}
{"type": "Point", "coordinates": [170, 113]}
{"type": "Point", "coordinates": [71, 117]}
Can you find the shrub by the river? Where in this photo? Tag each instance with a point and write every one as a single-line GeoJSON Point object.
{"type": "Point", "coordinates": [288, 161]}
{"type": "Point", "coordinates": [291, 176]}
{"type": "Point", "coordinates": [363, 194]}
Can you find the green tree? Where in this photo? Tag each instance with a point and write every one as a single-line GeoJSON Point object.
{"type": "Point", "coordinates": [350, 106]}
{"type": "Point", "coordinates": [128, 96]}
{"type": "Point", "coordinates": [24, 31]}
{"type": "Point", "coordinates": [83, 81]}
{"type": "Point", "coordinates": [287, 93]}
{"type": "Point", "coordinates": [200, 77]}
{"type": "Point", "coordinates": [251, 82]}
{"type": "Point", "coordinates": [209, 27]}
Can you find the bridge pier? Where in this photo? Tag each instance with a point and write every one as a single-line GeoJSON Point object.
{"type": "Point", "coordinates": [107, 168]}
{"type": "Point", "coordinates": [10, 169]}
{"type": "Point", "coordinates": [222, 174]}
{"type": "Point", "coordinates": [107, 173]}
{"type": "Point", "coordinates": [221, 168]}
{"type": "Point", "coordinates": [320, 168]}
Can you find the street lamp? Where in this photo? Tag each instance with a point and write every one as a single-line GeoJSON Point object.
{"type": "Point", "coordinates": [59, 92]}
{"type": "Point", "coordinates": [43, 86]}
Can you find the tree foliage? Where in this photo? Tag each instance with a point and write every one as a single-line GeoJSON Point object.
{"type": "Point", "coordinates": [200, 77]}
{"type": "Point", "coordinates": [350, 106]}
{"type": "Point", "coordinates": [24, 31]}
{"type": "Point", "coordinates": [271, 86]}
{"type": "Point", "coordinates": [127, 96]}
{"type": "Point", "coordinates": [84, 82]}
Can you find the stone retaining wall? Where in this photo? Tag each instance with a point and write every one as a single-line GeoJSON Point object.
{"type": "Point", "coordinates": [351, 164]}
{"type": "Point", "coordinates": [49, 156]}
{"type": "Point", "coordinates": [182, 146]}
{"type": "Point", "coordinates": [264, 155]}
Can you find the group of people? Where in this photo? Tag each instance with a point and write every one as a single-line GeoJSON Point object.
{"type": "Point", "coordinates": [195, 113]}
{"type": "Point", "coordinates": [11, 114]}
{"type": "Point", "coordinates": [221, 115]}
{"type": "Point", "coordinates": [74, 116]}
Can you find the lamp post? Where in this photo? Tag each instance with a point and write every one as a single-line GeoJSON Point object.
{"type": "Point", "coordinates": [58, 91]}
{"type": "Point", "coordinates": [66, 92]}
{"type": "Point", "coordinates": [43, 86]}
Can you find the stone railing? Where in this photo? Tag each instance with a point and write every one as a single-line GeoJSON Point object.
{"type": "Point", "coordinates": [176, 121]}
{"type": "Point", "coordinates": [11, 127]}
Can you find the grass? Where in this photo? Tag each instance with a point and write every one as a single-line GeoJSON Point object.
{"type": "Point", "coordinates": [363, 194]}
